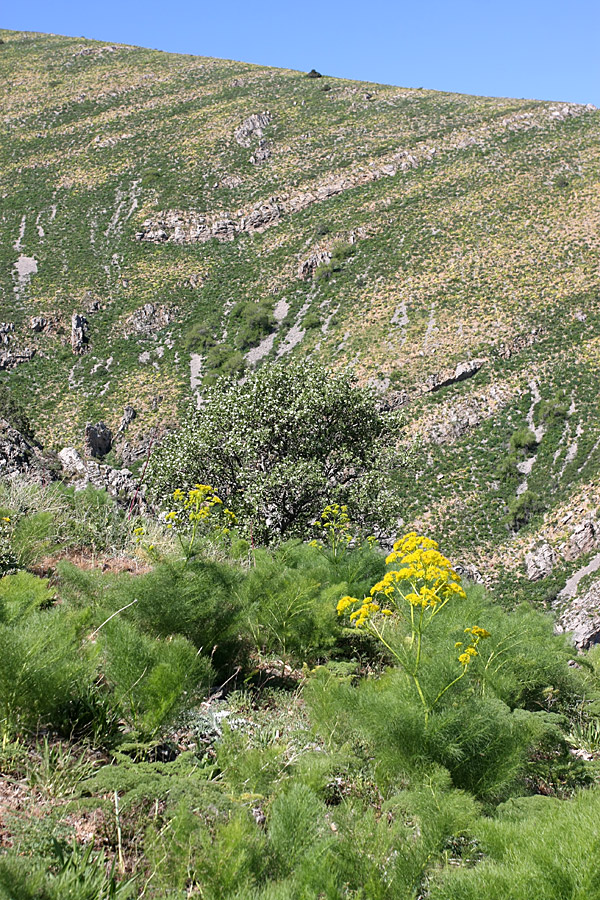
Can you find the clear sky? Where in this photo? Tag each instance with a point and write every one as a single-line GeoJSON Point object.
{"type": "Point", "coordinates": [516, 48]}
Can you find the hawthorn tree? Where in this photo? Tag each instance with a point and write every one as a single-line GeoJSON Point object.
{"type": "Point", "coordinates": [282, 444]}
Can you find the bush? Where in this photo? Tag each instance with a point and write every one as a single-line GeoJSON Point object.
{"type": "Point", "coordinates": [151, 679]}
{"type": "Point", "coordinates": [44, 676]}
{"type": "Point", "coordinates": [223, 361]}
{"type": "Point", "coordinates": [536, 847]}
{"type": "Point", "coordinates": [198, 338]}
{"type": "Point", "coordinates": [278, 447]}
{"type": "Point", "coordinates": [522, 509]}
{"type": "Point", "coordinates": [255, 321]}
{"type": "Point", "coordinates": [523, 439]}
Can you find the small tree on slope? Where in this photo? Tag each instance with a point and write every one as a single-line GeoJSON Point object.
{"type": "Point", "coordinates": [283, 443]}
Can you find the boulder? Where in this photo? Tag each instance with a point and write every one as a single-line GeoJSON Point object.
{"type": "Point", "coordinates": [79, 333]}
{"type": "Point", "coordinates": [97, 440]}
{"type": "Point", "coordinates": [584, 538]}
{"type": "Point", "coordinates": [463, 371]}
{"type": "Point", "coordinates": [252, 127]}
{"type": "Point", "coordinates": [307, 267]}
{"type": "Point", "coordinates": [38, 323]}
{"type": "Point", "coordinates": [539, 563]}
{"type": "Point", "coordinates": [261, 155]}
{"type": "Point", "coordinates": [119, 483]}
{"type": "Point", "coordinates": [6, 329]}
{"type": "Point", "coordinates": [127, 418]}
{"type": "Point", "coordinates": [582, 618]}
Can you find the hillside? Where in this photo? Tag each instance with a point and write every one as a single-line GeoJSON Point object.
{"type": "Point", "coordinates": [202, 215]}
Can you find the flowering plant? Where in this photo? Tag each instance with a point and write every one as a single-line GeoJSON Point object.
{"type": "Point", "coordinates": [421, 585]}
{"type": "Point", "coordinates": [197, 510]}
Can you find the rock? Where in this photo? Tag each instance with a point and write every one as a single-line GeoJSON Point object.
{"type": "Point", "coordinates": [79, 333]}
{"type": "Point", "coordinates": [71, 461]}
{"type": "Point", "coordinates": [582, 618]}
{"type": "Point", "coordinates": [252, 127]}
{"type": "Point", "coordinates": [584, 538]}
{"type": "Point", "coordinates": [307, 267]}
{"type": "Point", "coordinates": [539, 563]}
{"type": "Point", "coordinates": [16, 452]}
{"type": "Point", "coordinates": [6, 329]}
{"type": "Point", "coordinates": [149, 319]}
{"type": "Point", "coordinates": [127, 418]}
{"type": "Point", "coordinates": [461, 373]}
{"type": "Point", "coordinates": [9, 359]}
{"type": "Point", "coordinates": [97, 440]}
{"type": "Point", "coordinates": [261, 155]}
{"type": "Point", "coordinates": [38, 323]}
{"type": "Point", "coordinates": [261, 216]}
{"type": "Point", "coordinates": [119, 483]}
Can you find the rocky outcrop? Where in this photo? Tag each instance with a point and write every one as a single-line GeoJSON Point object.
{"type": "Point", "coordinates": [261, 155]}
{"type": "Point", "coordinates": [127, 418]}
{"type": "Point", "coordinates": [119, 483]}
{"type": "Point", "coordinates": [6, 329]}
{"type": "Point", "coordinates": [463, 371]}
{"type": "Point", "coordinates": [193, 227]}
{"type": "Point", "coordinates": [149, 319]}
{"type": "Point", "coordinates": [38, 324]}
{"type": "Point", "coordinates": [582, 618]}
{"type": "Point", "coordinates": [79, 334]}
{"type": "Point", "coordinates": [252, 127]}
{"type": "Point", "coordinates": [307, 267]}
{"type": "Point", "coordinates": [97, 440]}
{"type": "Point", "coordinates": [9, 359]}
{"type": "Point", "coordinates": [539, 563]}
{"type": "Point", "coordinates": [186, 227]}
{"type": "Point", "coordinates": [16, 452]}
{"type": "Point", "coordinates": [584, 538]}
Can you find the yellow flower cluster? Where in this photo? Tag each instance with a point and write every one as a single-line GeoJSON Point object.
{"type": "Point", "coordinates": [470, 652]}
{"type": "Point", "coordinates": [430, 577]}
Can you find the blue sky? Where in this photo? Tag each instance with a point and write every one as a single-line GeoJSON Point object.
{"type": "Point", "coordinates": [544, 50]}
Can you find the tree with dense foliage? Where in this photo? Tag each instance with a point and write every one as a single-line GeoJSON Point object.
{"type": "Point", "coordinates": [279, 445]}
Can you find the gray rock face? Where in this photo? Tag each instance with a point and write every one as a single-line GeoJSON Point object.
{"type": "Point", "coordinates": [582, 618]}
{"type": "Point", "coordinates": [261, 155]}
{"type": "Point", "coordinates": [463, 371]}
{"type": "Point", "coordinates": [9, 359]}
{"type": "Point", "coordinates": [16, 452]}
{"type": "Point", "coordinates": [585, 537]}
{"type": "Point", "coordinates": [38, 323]}
{"type": "Point", "coordinates": [119, 483]}
{"type": "Point", "coordinates": [149, 319]}
{"type": "Point", "coordinates": [539, 563]}
{"type": "Point", "coordinates": [127, 418]}
{"type": "Point", "coordinates": [79, 334]}
{"type": "Point", "coordinates": [6, 329]}
{"type": "Point", "coordinates": [307, 267]}
{"type": "Point", "coordinates": [97, 440]}
{"type": "Point", "coordinates": [252, 127]}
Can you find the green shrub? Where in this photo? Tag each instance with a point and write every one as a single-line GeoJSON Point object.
{"type": "Point", "coordinates": [523, 439]}
{"type": "Point", "coordinates": [522, 509]}
{"type": "Point", "coordinates": [150, 679]}
{"type": "Point", "coordinates": [254, 321]}
{"type": "Point", "coordinates": [71, 872]}
{"type": "Point", "coordinates": [44, 674]}
{"type": "Point", "coordinates": [223, 361]}
{"type": "Point", "coordinates": [282, 444]}
{"type": "Point", "coordinates": [198, 338]}
{"type": "Point", "coordinates": [536, 847]}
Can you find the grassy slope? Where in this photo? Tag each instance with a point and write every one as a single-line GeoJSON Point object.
{"type": "Point", "coordinates": [476, 232]}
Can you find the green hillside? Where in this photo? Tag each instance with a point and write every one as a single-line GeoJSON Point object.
{"type": "Point", "coordinates": [205, 216]}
